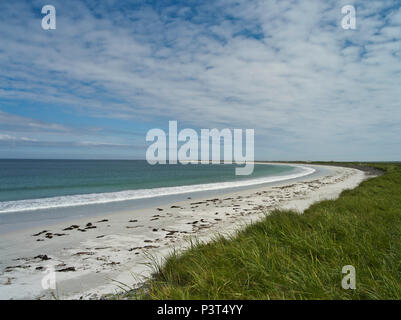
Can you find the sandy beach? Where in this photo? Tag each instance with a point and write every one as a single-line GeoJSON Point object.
{"type": "Point", "coordinates": [97, 256]}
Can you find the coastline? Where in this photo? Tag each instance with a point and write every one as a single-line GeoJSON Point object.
{"type": "Point", "coordinates": [68, 201]}
{"type": "Point", "coordinates": [105, 254]}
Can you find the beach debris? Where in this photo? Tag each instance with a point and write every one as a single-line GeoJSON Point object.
{"type": "Point", "coordinates": [171, 232]}
{"type": "Point", "coordinates": [175, 207]}
{"type": "Point", "coordinates": [74, 226]}
{"type": "Point", "coordinates": [84, 253]}
{"type": "Point", "coordinates": [154, 219]}
{"type": "Point", "coordinates": [104, 220]}
{"type": "Point", "coordinates": [42, 257]}
{"type": "Point", "coordinates": [17, 259]}
{"type": "Point", "coordinates": [135, 248]}
{"type": "Point", "coordinates": [155, 230]}
{"type": "Point", "coordinates": [150, 247]}
{"type": "Point", "coordinates": [133, 220]}
{"type": "Point", "coordinates": [61, 234]}
{"type": "Point", "coordinates": [144, 247]}
{"type": "Point", "coordinates": [66, 269]}
{"type": "Point", "coordinates": [159, 209]}
{"type": "Point", "coordinates": [39, 233]}
{"type": "Point", "coordinates": [98, 237]}
{"type": "Point", "coordinates": [82, 230]}
{"type": "Point", "coordinates": [9, 268]}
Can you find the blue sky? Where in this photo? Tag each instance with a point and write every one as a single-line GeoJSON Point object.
{"type": "Point", "coordinates": [111, 71]}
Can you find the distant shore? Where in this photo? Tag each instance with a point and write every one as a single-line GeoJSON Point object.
{"type": "Point", "coordinates": [94, 256]}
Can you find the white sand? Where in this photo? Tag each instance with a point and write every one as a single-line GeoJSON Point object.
{"type": "Point", "coordinates": [119, 250]}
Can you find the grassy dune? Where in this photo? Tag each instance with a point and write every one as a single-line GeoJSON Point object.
{"type": "Point", "coordinates": [292, 256]}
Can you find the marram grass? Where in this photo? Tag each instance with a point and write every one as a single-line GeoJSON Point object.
{"type": "Point", "coordinates": [293, 256]}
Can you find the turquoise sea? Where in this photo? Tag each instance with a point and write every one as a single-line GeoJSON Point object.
{"type": "Point", "coordinates": [42, 184]}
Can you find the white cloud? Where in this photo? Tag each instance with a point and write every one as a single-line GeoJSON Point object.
{"type": "Point", "coordinates": [8, 138]}
{"type": "Point", "coordinates": [304, 82]}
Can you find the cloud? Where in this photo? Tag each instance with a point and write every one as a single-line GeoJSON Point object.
{"type": "Point", "coordinates": [23, 124]}
{"type": "Point", "coordinates": [8, 138]}
{"type": "Point", "coordinates": [285, 68]}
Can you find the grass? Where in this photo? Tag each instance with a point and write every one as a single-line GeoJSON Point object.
{"type": "Point", "coordinates": [293, 256]}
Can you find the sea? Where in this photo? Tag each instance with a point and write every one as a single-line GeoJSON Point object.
{"type": "Point", "coordinates": [41, 185]}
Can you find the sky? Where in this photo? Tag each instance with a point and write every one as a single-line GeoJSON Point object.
{"type": "Point", "coordinates": [112, 70]}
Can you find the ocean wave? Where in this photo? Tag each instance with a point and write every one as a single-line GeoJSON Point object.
{"type": "Point", "coordinates": [99, 198]}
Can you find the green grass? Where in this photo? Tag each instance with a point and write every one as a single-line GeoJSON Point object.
{"type": "Point", "coordinates": [293, 256]}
